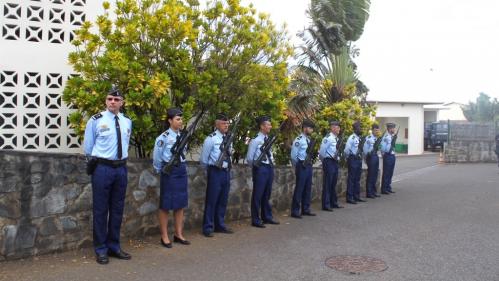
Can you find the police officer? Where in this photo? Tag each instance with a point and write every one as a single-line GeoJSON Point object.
{"type": "Point", "coordinates": [263, 175]}
{"type": "Point", "coordinates": [372, 161]}
{"type": "Point", "coordinates": [173, 185]}
{"type": "Point", "coordinates": [303, 188]}
{"type": "Point", "coordinates": [330, 164]}
{"type": "Point", "coordinates": [217, 192]}
{"type": "Point", "coordinates": [388, 159]}
{"type": "Point", "coordinates": [107, 135]}
{"type": "Point", "coordinates": [354, 161]}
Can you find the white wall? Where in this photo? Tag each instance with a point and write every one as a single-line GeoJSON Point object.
{"type": "Point", "coordinates": [415, 115]}
{"type": "Point", "coordinates": [431, 115]}
{"type": "Point", "coordinates": [451, 111]}
{"type": "Point", "coordinates": [34, 47]}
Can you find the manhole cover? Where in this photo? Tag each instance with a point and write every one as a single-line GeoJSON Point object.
{"type": "Point", "coordinates": [356, 264]}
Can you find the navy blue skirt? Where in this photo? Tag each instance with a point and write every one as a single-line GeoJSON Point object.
{"type": "Point", "coordinates": [173, 189]}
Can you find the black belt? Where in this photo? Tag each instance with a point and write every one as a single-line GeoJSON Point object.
{"type": "Point", "coordinates": [215, 167]}
{"type": "Point", "coordinates": [330, 158]}
{"type": "Point", "coordinates": [355, 157]}
{"type": "Point", "coordinates": [112, 163]}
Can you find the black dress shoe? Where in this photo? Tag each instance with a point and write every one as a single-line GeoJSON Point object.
{"type": "Point", "coordinates": [271, 222]}
{"type": "Point", "coordinates": [259, 225]}
{"type": "Point", "coordinates": [208, 234]}
{"type": "Point", "coordinates": [391, 191]}
{"type": "Point", "coordinates": [370, 196]}
{"type": "Point", "coordinates": [181, 241]}
{"type": "Point", "coordinates": [166, 245]}
{"type": "Point", "coordinates": [377, 195]}
{"type": "Point", "coordinates": [337, 207]}
{"type": "Point", "coordinates": [295, 216]}
{"type": "Point", "coordinates": [310, 214]}
{"type": "Point", "coordinates": [385, 193]}
{"type": "Point", "coordinates": [351, 202]}
{"type": "Point", "coordinates": [327, 209]}
{"type": "Point", "coordinates": [224, 230]}
{"type": "Point", "coordinates": [122, 255]}
{"type": "Point", "coordinates": [102, 259]}
{"type": "Point", "coordinates": [360, 200]}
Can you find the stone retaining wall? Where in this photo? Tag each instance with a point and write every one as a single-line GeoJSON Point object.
{"type": "Point", "coordinates": [470, 142]}
{"type": "Point", "coordinates": [46, 200]}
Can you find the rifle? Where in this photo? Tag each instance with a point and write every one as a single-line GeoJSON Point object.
{"type": "Point", "coordinates": [227, 143]}
{"type": "Point", "coordinates": [360, 147]}
{"type": "Point", "coordinates": [340, 147]}
{"type": "Point", "coordinates": [310, 158]}
{"type": "Point", "coordinates": [181, 143]}
{"type": "Point", "coordinates": [394, 140]}
{"type": "Point", "coordinates": [265, 148]}
{"type": "Point", "coordinates": [377, 143]}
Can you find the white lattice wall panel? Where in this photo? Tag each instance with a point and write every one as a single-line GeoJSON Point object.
{"type": "Point", "coordinates": [35, 38]}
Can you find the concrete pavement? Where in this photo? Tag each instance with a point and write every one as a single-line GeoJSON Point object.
{"type": "Point", "coordinates": [442, 224]}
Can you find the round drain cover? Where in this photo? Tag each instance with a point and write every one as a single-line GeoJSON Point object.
{"type": "Point", "coordinates": [356, 264]}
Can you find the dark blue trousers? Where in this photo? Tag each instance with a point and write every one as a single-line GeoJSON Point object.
{"type": "Point", "coordinates": [262, 188]}
{"type": "Point", "coordinates": [217, 194]}
{"type": "Point", "coordinates": [353, 181]}
{"type": "Point", "coordinates": [388, 167]}
{"type": "Point", "coordinates": [372, 161]}
{"type": "Point", "coordinates": [303, 189]}
{"type": "Point", "coordinates": [330, 178]}
{"type": "Point", "coordinates": [108, 192]}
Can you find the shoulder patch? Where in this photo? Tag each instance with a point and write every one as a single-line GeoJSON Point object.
{"type": "Point", "coordinates": [297, 144]}
{"type": "Point", "coordinates": [160, 143]}
{"type": "Point", "coordinates": [97, 116]}
{"type": "Point", "coordinates": [325, 140]}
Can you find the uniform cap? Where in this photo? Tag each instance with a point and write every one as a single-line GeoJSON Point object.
{"type": "Point", "coordinates": [172, 112]}
{"type": "Point", "coordinates": [222, 117]}
{"type": "Point", "coordinates": [259, 120]}
{"type": "Point", "coordinates": [390, 125]}
{"type": "Point", "coordinates": [308, 123]}
{"type": "Point", "coordinates": [334, 123]}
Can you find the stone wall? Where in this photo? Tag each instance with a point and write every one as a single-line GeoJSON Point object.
{"type": "Point", "coordinates": [470, 142]}
{"type": "Point", "coordinates": [46, 200]}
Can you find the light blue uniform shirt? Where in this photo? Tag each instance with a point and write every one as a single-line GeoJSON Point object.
{"type": "Point", "coordinates": [328, 146]}
{"type": "Point", "coordinates": [211, 150]}
{"type": "Point", "coordinates": [386, 143]}
{"type": "Point", "coordinates": [101, 139]}
{"type": "Point", "coordinates": [352, 145]}
{"type": "Point", "coordinates": [254, 150]}
{"type": "Point", "coordinates": [369, 144]}
{"type": "Point", "coordinates": [299, 149]}
{"type": "Point", "coordinates": [162, 149]}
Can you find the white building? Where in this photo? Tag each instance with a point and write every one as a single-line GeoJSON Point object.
{"type": "Point", "coordinates": [410, 116]}
{"type": "Point", "coordinates": [34, 46]}
{"type": "Point", "coordinates": [444, 112]}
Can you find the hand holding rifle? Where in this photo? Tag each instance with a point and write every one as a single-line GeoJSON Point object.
{"type": "Point", "coordinates": [226, 144]}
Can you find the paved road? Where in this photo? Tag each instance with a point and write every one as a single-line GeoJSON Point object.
{"type": "Point", "coordinates": [442, 224]}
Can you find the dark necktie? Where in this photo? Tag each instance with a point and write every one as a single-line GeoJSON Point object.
{"type": "Point", "coordinates": [118, 134]}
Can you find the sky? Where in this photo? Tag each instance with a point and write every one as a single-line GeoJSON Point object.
{"type": "Point", "coordinates": [424, 50]}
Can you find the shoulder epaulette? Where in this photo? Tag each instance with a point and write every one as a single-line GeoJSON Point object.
{"type": "Point", "coordinates": [126, 116]}
{"type": "Point", "coordinates": [213, 134]}
{"type": "Point", "coordinates": [166, 133]}
{"type": "Point", "coordinates": [97, 116]}
{"type": "Point", "coordinates": [299, 137]}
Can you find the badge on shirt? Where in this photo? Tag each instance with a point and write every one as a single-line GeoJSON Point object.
{"type": "Point", "coordinates": [297, 144]}
{"type": "Point", "coordinates": [104, 128]}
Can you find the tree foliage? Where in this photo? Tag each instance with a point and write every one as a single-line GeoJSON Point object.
{"type": "Point", "coordinates": [485, 109]}
{"type": "Point", "coordinates": [224, 57]}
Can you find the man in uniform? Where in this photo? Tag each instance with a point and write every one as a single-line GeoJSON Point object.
{"type": "Point", "coordinates": [388, 159]}
{"type": "Point", "coordinates": [263, 175]}
{"type": "Point", "coordinates": [217, 192]}
{"type": "Point", "coordinates": [372, 161]}
{"type": "Point", "coordinates": [330, 164]}
{"type": "Point", "coordinates": [354, 165]}
{"type": "Point", "coordinates": [107, 135]}
{"type": "Point", "coordinates": [303, 188]}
